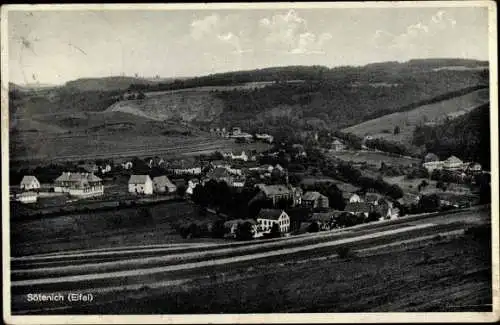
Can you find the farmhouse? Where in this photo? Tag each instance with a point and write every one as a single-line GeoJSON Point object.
{"type": "Point", "coordinates": [314, 200]}
{"type": "Point", "coordinates": [79, 184]}
{"type": "Point", "coordinates": [29, 183]}
{"type": "Point", "coordinates": [162, 184]}
{"type": "Point", "coordinates": [140, 184]}
{"type": "Point", "coordinates": [27, 197]}
{"type": "Point", "coordinates": [268, 217]}
{"type": "Point", "coordinates": [433, 165]}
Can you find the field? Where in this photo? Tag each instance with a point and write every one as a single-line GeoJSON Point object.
{"type": "Point", "coordinates": [411, 186]}
{"type": "Point", "coordinates": [383, 127]}
{"type": "Point", "coordinates": [102, 229]}
{"type": "Point", "coordinates": [373, 158]}
{"type": "Point", "coordinates": [442, 274]}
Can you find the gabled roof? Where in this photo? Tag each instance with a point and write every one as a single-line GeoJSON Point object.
{"type": "Point", "coordinates": [139, 179]}
{"type": "Point", "coordinates": [238, 152]}
{"type": "Point", "coordinates": [272, 214]}
{"type": "Point", "coordinates": [357, 207]}
{"type": "Point", "coordinates": [77, 177]}
{"type": "Point", "coordinates": [270, 190]}
{"type": "Point", "coordinates": [28, 179]}
{"type": "Point", "coordinates": [311, 196]}
{"type": "Point", "coordinates": [162, 181]}
{"type": "Point", "coordinates": [336, 142]}
{"type": "Point", "coordinates": [453, 160]}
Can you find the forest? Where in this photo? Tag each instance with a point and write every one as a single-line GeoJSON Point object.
{"type": "Point", "coordinates": [467, 137]}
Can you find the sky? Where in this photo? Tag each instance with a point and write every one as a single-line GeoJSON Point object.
{"type": "Point", "coordinates": [52, 47]}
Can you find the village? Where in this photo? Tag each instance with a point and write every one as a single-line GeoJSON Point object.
{"type": "Point", "coordinates": [285, 190]}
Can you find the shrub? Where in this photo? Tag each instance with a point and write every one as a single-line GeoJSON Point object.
{"type": "Point", "coordinates": [344, 252]}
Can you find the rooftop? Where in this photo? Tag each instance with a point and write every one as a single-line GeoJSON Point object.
{"type": "Point", "coordinates": [273, 214]}
{"type": "Point", "coordinates": [138, 179]}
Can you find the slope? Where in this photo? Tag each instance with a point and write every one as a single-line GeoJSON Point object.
{"type": "Point", "coordinates": [383, 127]}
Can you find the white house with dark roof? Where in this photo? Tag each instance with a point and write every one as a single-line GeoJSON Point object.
{"type": "Point", "coordinates": [161, 184]}
{"type": "Point", "coordinates": [140, 184]}
{"type": "Point", "coordinates": [79, 184]}
{"type": "Point", "coordinates": [29, 183]}
{"type": "Point", "coordinates": [268, 217]}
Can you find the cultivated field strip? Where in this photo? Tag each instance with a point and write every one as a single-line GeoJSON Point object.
{"type": "Point", "coordinates": [78, 276]}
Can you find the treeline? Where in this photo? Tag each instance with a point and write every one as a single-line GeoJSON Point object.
{"type": "Point", "coordinates": [393, 147]}
{"type": "Point", "coordinates": [467, 137]}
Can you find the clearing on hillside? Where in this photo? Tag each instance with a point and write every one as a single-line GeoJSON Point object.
{"type": "Point", "coordinates": [383, 127]}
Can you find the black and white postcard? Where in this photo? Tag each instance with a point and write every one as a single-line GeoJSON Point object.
{"type": "Point", "coordinates": [250, 162]}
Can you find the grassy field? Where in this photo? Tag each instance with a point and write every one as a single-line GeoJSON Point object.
{"type": "Point", "coordinates": [445, 274]}
{"type": "Point", "coordinates": [373, 158]}
{"type": "Point", "coordinates": [102, 229]}
{"type": "Point", "coordinates": [407, 121]}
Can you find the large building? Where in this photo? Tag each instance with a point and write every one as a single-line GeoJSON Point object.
{"type": "Point", "coordinates": [268, 217]}
{"type": "Point", "coordinates": [79, 184]}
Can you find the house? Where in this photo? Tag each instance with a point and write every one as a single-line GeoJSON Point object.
{"type": "Point", "coordinates": [140, 184]}
{"type": "Point", "coordinates": [29, 183]}
{"type": "Point", "coordinates": [220, 175]}
{"type": "Point", "coordinates": [127, 165]}
{"type": "Point", "coordinates": [314, 200]}
{"type": "Point", "coordinates": [355, 198]}
{"type": "Point", "coordinates": [27, 197]}
{"type": "Point", "coordinates": [239, 155]}
{"type": "Point", "coordinates": [276, 192]}
{"type": "Point", "coordinates": [235, 171]}
{"type": "Point", "coordinates": [268, 217]}
{"type": "Point", "coordinates": [279, 168]}
{"type": "Point", "coordinates": [161, 184]}
{"type": "Point", "coordinates": [105, 168]}
{"type": "Point", "coordinates": [337, 145]}
{"type": "Point", "coordinates": [453, 163]}
{"type": "Point", "coordinates": [192, 183]}
{"type": "Point", "coordinates": [359, 208]}
{"type": "Point", "coordinates": [79, 184]}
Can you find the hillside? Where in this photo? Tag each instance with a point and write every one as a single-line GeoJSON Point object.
{"type": "Point", "coordinates": [437, 112]}
{"type": "Point", "coordinates": [106, 84]}
{"type": "Point", "coordinates": [190, 106]}
{"type": "Point", "coordinates": [467, 137]}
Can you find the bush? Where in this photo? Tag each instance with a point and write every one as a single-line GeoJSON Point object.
{"type": "Point", "coordinates": [313, 227]}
